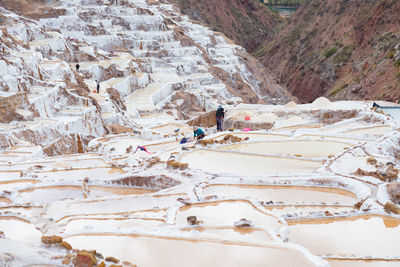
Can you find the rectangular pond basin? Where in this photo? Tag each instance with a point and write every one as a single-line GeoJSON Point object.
{"type": "Point", "coordinates": [285, 194]}
{"type": "Point", "coordinates": [98, 173]}
{"type": "Point", "coordinates": [304, 148]}
{"type": "Point", "coordinates": [244, 164]}
{"type": "Point", "coordinates": [226, 213]}
{"type": "Point", "coordinates": [50, 194]}
{"type": "Point", "coordinates": [166, 252]}
{"type": "Point", "coordinates": [362, 236]}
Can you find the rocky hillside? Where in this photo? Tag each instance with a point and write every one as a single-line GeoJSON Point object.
{"type": "Point", "coordinates": [339, 49]}
{"type": "Point", "coordinates": [151, 63]}
{"type": "Point", "coordinates": [247, 22]}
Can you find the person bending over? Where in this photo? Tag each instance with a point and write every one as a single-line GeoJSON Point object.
{"type": "Point", "coordinates": [198, 133]}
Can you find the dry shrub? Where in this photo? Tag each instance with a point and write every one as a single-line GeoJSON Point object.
{"type": "Point", "coordinates": [392, 208]}
{"type": "Point", "coordinates": [177, 165]}
{"type": "Point", "coordinates": [152, 161]}
{"type": "Point", "coordinates": [54, 239]}
{"type": "Point", "coordinates": [112, 259]}
{"type": "Point", "coordinates": [393, 190]}
{"type": "Point", "coordinates": [390, 175]}
{"type": "Point", "coordinates": [359, 204]}
{"type": "Point", "coordinates": [372, 161]}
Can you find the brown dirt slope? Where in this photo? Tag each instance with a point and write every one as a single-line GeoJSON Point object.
{"type": "Point", "coordinates": [342, 49]}
{"type": "Point", "coordinates": [247, 22]}
{"type": "Point", "coordinates": [34, 9]}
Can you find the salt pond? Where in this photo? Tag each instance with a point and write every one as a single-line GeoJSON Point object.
{"type": "Point", "coordinates": [361, 236]}
{"type": "Point", "coordinates": [156, 251]}
{"type": "Point", "coordinates": [244, 164]}
{"type": "Point", "coordinates": [305, 148]}
{"type": "Point", "coordinates": [286, 194]}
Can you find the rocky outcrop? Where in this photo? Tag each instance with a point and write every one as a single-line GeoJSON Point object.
{"type": "Point", "coordinates": [151, 182]}
{"type": "Point", "coordinates": [8, 107]}
{"type": "Point", "coordinates": [338, 49]}
{"type": "Point", "coordinates": [247, 22]}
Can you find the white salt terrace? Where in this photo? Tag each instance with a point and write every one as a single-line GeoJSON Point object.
{"type": "Point", "coordinates": [20, 230]}
{"type": "Point", "coordinates": [277, 179]}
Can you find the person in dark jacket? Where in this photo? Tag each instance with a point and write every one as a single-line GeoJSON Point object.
{"type": "Point", "coordinates": [219, 117]}
{"type": "Point", "coordinates": [198, 133]}
{"type": "Point", "coordinates": [98, 86]}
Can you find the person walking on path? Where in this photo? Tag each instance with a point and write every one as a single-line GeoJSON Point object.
{"type": "Point", "coordinates": [198, 133]}
{"type": "Point", "coordinates": [219, 117]}
{"type": "Point", "coordinates": [98, 86]}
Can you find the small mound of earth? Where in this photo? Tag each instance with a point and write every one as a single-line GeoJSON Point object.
{"type": "Point", "coordinates": [239, 115]}
{"type": "Point", "coordinates": [157, 182]}
{"type": "Point", "coordinates": [290, 104]}
{"type": "Point", "coordinates": [321, 102]}
{"type": "Point", "coordinates": [265, 117]}
{"type": "Point", "coordinates": [291, 122]}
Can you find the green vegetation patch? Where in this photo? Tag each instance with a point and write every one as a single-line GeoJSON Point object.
{"type": "Point", "coordinates": [397, 63]}
{"type": "Point", "coordinates": [345, 55]}
{"type": "Point", "coordinates": [338, 89]}
{"type": "Point", "coordinates": [330, 52]}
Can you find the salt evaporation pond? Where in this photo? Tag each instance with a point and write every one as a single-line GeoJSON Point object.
{"type": "Point", "coordinates": [20, 230]}
{"type": "Point", "coordinates": [304, 148]}
{"type": "Point", "coordinates": [376, 130]}
{"type": "Point", "coordinates": [50, 194]}
{"type": "Point", "coordinates": [248, 235]}
{"type": "Point", "coordinates": [172, 127]}
{"type": "Point", "coordinates": [362, 236]}
{"type": "Point", "coordinates": [253, 136]}
{"type": "Point", "coordinates": [286, 194]}
{"type": "Point", "coordinates": [225, 213]}
{"type": "Point", "coordinates": [75, 225]}
{"type": "Point", "coordinates": [306, 209]}
{"type": "Point", "coordinates": [243, 164]}
{"type": "Point", "coordinates": [156, 251]}
{"type": "Point", "coordinates": [100, 173]}
{"type": "Point", "coordinates": [363, 263]}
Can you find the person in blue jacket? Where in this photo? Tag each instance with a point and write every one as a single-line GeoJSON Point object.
{"type": "Point", "coordinates": [198, 133]}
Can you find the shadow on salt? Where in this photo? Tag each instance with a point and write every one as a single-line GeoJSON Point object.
{"type": "Point", "coordinates": [360, 236]}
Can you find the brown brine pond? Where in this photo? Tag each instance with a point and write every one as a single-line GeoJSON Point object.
{"type": "Point", "coordinates": [361, 236]}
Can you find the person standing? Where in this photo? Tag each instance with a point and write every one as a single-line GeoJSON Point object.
{"type": "Point", "coordinates": [98, 86]}
{"type": "Point", "coordinates": [219, 117]}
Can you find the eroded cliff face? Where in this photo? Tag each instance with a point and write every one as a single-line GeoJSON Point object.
{"type": "Point", "coordinates": [339, 49]}
{"type": "Point", "coordinates": [247, 22]}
